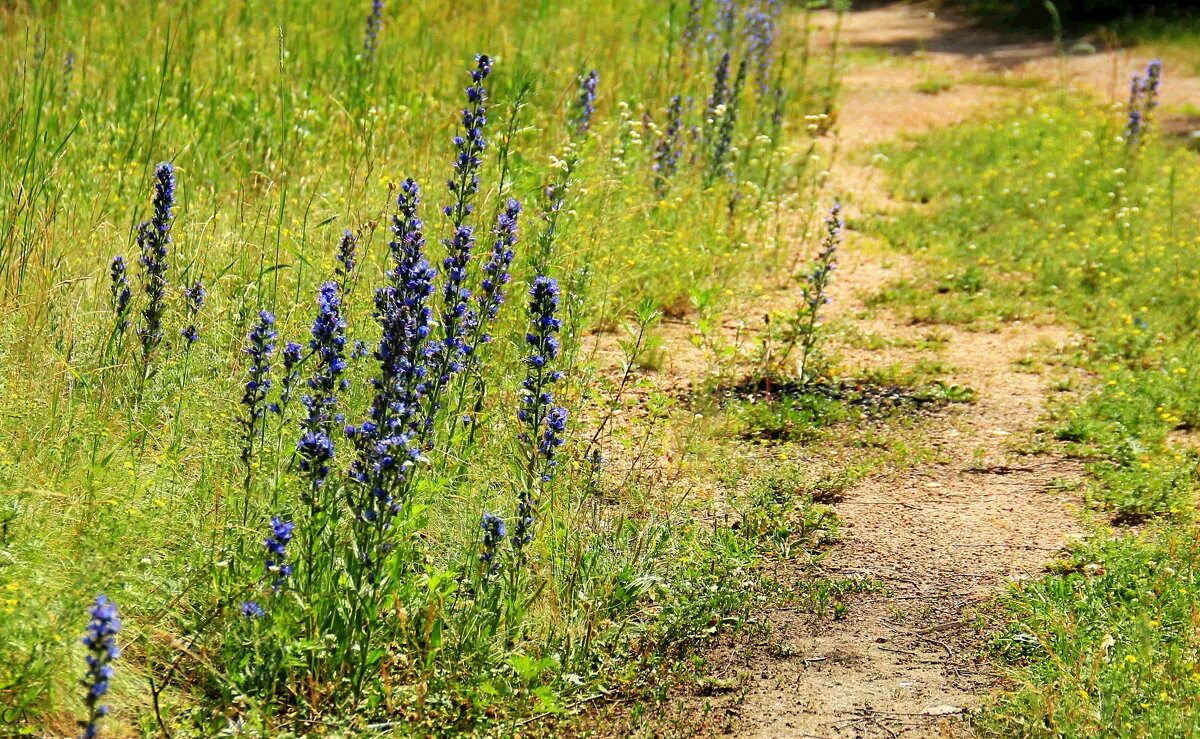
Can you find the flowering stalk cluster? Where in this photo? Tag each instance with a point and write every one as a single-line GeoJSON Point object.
{"type": "Point", "coordinates": [260, 345]}
{"type": "Point", "coordinates": [554, 197]}
{"type": "Point", "coordinates": [721, 127]}
{"type": "Point", "coordinates": [726, 22]}
{"type": "Point", "coordinates": [495, 270]}
{"type": "Point", "coordinates": [120, 294]}
{"type": "Point", "coordinates": [457, 318]}
{"type": "Point", "coordinates": [1143, 99]}
{"type": "Point", "coordinates": [585, 102]}
{"type": "Point", "coordinates": [276, 544]}
{"type": "Point", "coordinates": [383, 442]}
{"type": "Point", "coordinates": [374, 25]}
{"type": "Point", "coordinates": [493, 535]}
{"type": "Point", "coordinates": [275, 562]}
{"type": "Point", "coordinates": [404, 350]}
{"type": "Point", "coordinates": [761, 20]}
{"type": "Point", "coordinates": [543, 424]}
{"type": "Point", "coordinates": [101, 643]}
{"type": "Point", "coordinates": [154, 241]}
{"type": "Point", "coordinates": [193, 300]}
{"type": "Point", "coordinates": [691, 26]}
{"type": "Point", "coordinates": [816, 283]}
{"type": "Point", "coordinates": [292, 354]}
{"type": "Point", "coordinates": [347, 259]}
{"type": "Point", "coordinates": [720, 90]}
{"type": "Point", "coordinates": [668, 149]}
{"type": "Point", "coordinates": [328, 345]}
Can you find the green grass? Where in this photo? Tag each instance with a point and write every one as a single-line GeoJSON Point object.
{"type": "Point", "coordinates": [1047, 209]}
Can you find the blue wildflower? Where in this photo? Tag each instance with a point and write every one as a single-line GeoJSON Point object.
{"type": "Point", "coordinates": [251, 609]}
{"type": "Point", "coordinates": [261, 343]}
{"type": "Point", "coordinates": [691, 25]}
{"type": "Point", "coordinates": [585, 102]}
{"type": "Point", "coordinates": [760, 42]}
{"type": "Point", "coordinates": [154, 241]}
{"type": "Point", "coordinates": [542, 423]}
{"type": "Point", "coordinates": [495, 270]}
{"type": "Point", "coordinates": [404, 313]}
{"type": "Point", "coordinates": [328, 345]}
{"type": "Point", "coordinates": [493, 535]}
{"type": "Point", "coordinates": [552, 438]}
{"type": "Point", "coordinates": [68, 72]}
{"type": "Point", "coordinates": [347, 259]}
{"type": "Point", "coordinates": [276, 544]}
{"type": "Point", "coordinates": [120, 293]}
{"type": "Point", "coordinates": [315, 450]}
{"type": "Point", "coordinates": [1143, 99]}
{"type": "Point", "coordinates": [470, 143]}
{"type": "Point", "coordinates": [668, 149]}
{"type": "Point", "coordinates": [725, 23]}
{"type": "Point", "coordinates": [194, 301]}
{"type": "Point", "coordinates": [374, 25]}
{"type": "Point", "coordinates": [447, 354]}
{"type": "Point", "coordinates": [720, 132]}
{"type": "Point", "coordinates": [720, 90]}
{"type": "Point", "coordinates": [101, 643]}
{"type": "Point", "coordinates": [292, 354]}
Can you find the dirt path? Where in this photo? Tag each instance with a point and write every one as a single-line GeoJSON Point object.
{"type": "Point", "coordinates": [943, 539]}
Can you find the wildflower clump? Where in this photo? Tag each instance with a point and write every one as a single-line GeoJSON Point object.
{"type": "Point", "coordinates": [154, 242]}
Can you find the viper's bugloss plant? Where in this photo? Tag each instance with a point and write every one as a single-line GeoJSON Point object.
{"type": "Point", "coordinates": [456, 316]}
{"type": "Point", "coordinates": [405, 345]}
{"type": "Point", "coordinates": [120, 294]}
{"type": "Point", "coordinates": [101, 643]}
{"type": "Point", "coordinates": [495, 270]}
{"type": "Point", "coordinates": [668, 148]}
{"type": "Point", "coordinates": [725, 23]}
{"type": "Point", "coordinates": [347, 260]}
{"type": "Point", "coordinates": [154, 242]}
{"type": "Point", "coordinates": [493, 535]}
{"type": "Point", "coordinates": [276, 544]}
{"type": "Point", "coordinates": [383, 442]}
{"type": "Point", "coordinates": [291, 355]}
{"type": "Point", "coordinates": [814, 293]}
{"type": "Point", "coordinates": [542, 423]}
{"type": "Point", "coordinates": [691, 26]}
{"type": "Point", "coordinates": [1143, 99]}
{"type": "Point", "coordinates": [193, 302]}
{"type": "Point", "coordinates": [760, 43]}
{"type": "Point", "coordinates": [328, 347]}
{"type": "Point", "coordinates": [720, 92]}
{"type": "Point", "coordinates": [251, 609]}
{"type": "Point", "coordinates": [469, 144]}
{"type": "Point", "coordinates": [374, 26]}
{"type": "Point", "coordinates": [585, 102]}
{"type": "Point", "coordinates": [719, 140]}
{"type": "Point", "coordinates": [554, 198]}
{"type": "Point", "coordinates": [260, 344]}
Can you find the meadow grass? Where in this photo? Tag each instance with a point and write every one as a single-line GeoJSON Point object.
{"type": "Point", "coordinates": [149, 468]}
{"type": "Point", "coordinates": [1050, 208]}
